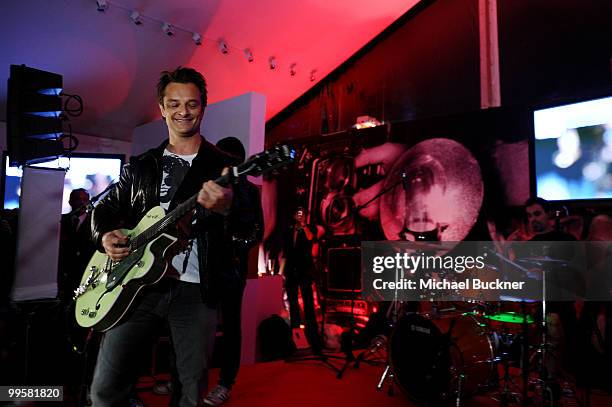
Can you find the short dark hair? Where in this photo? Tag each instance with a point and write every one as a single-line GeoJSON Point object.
{"type": "Point", "coordinates": [232, 145]}
{"type": "Point", "coordinates": [539, 201]}
{"type": "Point", "coordinates": [182, 75]}
{"type": "Point", "coordinates": [76, 191]}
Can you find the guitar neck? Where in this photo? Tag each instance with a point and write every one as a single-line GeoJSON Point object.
{"type": "Point", "coordinates": [173, 216]}
{"type": "Point", "coordinates": [258, 164]}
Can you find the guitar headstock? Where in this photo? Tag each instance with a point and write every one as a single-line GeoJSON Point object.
{"type": "Point", "coordinates": [277, 157]}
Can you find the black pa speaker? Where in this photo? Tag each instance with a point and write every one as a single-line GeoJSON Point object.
{"type": "Point", "coordinates": [34, 105]}
{"type": "Point", "coordinates": [344, 269]}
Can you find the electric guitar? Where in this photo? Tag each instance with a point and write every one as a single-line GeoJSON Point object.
{"type": "Point", "coordinates": [108, 288]}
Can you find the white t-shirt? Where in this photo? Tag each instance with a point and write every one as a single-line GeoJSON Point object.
{"type": "Point", "coordinates": [174, 168]}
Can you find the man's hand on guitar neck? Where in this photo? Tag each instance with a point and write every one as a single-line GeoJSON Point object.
{"type": "Point", "coordinates": [115, 244]}
{"type": "Point", "coordinates": [216, 198]}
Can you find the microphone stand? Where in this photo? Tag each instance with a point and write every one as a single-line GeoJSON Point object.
{"type": "Point", "coordinates": [89, 206]}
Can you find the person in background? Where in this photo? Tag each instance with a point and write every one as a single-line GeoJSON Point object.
{"type": "Point", "coordinates": [8, 248]}
{"type": "Point", "coordinates": [541, 222]}
{"type": "Point", "coordinates": [299, 254]}
{"type": "Point", "coordinates": [235, 281]}
{"type": "Point", "coordinates": [76, 247]}
{"type": "Point", "coordinates": [561, 318]}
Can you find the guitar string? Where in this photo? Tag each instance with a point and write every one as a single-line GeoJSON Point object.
{"type": "Point", "coordinates": [189, 204]}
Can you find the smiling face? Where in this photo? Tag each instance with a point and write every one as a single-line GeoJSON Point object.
{"type": "Point", "coordinates": [182, 109]}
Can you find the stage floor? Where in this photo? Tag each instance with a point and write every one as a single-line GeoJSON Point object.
{"type": "Point", "coordinates": [311, 383]}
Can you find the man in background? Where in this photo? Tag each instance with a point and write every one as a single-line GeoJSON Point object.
{"type": "Point", "coordinates": [76, 247]}
{"type": "Point", "coordinates": [301, 249]}
{"type": "Point", "coordinates": [235, 281]}
{"type": "Point", "coordinates": [560, 316]}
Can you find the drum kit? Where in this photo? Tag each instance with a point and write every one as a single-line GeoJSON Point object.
{"type": "Point", "coordinates": [439, 356]}
{"type": "Point", "coordinates": [452, 351]}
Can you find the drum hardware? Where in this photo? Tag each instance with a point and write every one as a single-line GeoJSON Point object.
{"type": "Point", "coordinates": [390, 376]}
{"type": "Point", "coordinates": [506, 396]}
{"type": "Point", "coordinates": [544, 379]}
{"type": "Point", "coordinates": [391, 316]}
{"type": "Point", "coordinates": [524, 321]}
{"type": "Point", "coordinates": [378, 343]}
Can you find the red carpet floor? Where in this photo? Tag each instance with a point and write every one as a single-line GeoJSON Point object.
{"type": "Point", "coordinates": [281, 384]}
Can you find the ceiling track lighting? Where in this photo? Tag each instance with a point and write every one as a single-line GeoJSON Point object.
{"type": "Point", "coordinates": [102, 5]}
{"type": "Point", "coordinates": [136, 17]}
{"type": "Point", "coordinates": [312, 75]}
{"type": "Point", "coordinates": [168, 29]}
{"type": "Point", "coordinates": [197, 38]}
{"type": "Point", "coordinates": [272, 63]}
{"type": "Point", "coordinates": [248, 54]}
{"type": "Point", "coordinates": [223, 48]}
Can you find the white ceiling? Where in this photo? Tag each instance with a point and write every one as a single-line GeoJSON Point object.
{"type": "Point", "coordinates": [114, 64]}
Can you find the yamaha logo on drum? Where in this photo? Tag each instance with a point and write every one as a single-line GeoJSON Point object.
{"type": "Point", "coordinates": [422, 329]}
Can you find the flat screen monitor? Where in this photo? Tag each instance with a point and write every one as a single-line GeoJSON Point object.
{"type": "Point", "coordinates": [93, 172]}
{"type": "Point", "coordinates": [573, 150]}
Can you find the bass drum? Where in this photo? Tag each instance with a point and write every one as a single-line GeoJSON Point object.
{"type": "Point", "coordinates": [428, 362]}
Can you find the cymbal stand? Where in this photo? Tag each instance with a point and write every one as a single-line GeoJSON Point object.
{"type": "Point", "coordinates": [380, 341]}
{"type": "Point", "coordinates": [506, 394]}
{"type": "Point", "coordinates": [392, 316]}
{"type": "Point", "coordinates": [524, 364]}
{"type": "Point", "coordinates": [544, 379]}
{"type": "Point", "coordinates": [524, 355]}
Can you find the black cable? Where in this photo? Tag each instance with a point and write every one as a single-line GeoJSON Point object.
{"type": "Point", "coordinates": [73, 143]}
{"type": "Point", "coordinates": [74, 112]}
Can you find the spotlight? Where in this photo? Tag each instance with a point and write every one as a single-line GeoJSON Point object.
{"type": "Point", "coordinates": [168, 29]}
{"type": "Point", "coordinates": [197, 38]}
{"type": "Point", "coordinates": [102, 5]}
{"type": "Point", "coordinates": [312, 75]}
{"type": "Point", "coordinates": [223, 48]}
{"type": "Point", "coordinates": [292, 71]}
{"type": "Point", "coordinates": [136, 17]}
{"type": "Point", "coordinates": [248, 54]}
{"type": "Point", "coordinates": [272, 63]}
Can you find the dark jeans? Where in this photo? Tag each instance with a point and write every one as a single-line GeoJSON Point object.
{"type": "Point", "coordinates": [301, 278]}
{"type": "Point", "coordinates": [192, 327]}
{"type": "Point", "coordinates": [231, 306]}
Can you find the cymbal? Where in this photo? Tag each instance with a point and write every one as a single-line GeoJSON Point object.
{"type": "Point", "coordinates": [541, 261]}
{"type": "Point", "coordinates": [438, 185]}
{"type": "Point", "coordinates": [426, 245]}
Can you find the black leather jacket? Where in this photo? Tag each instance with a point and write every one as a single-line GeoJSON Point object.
{"type": "Point", "coordinates": [138, 191]}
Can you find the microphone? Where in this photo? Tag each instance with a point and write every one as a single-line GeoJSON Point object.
{"type": "Point", "coordinates": [405, 181]}
{"type": "Point", "coordinates": [560, 212]}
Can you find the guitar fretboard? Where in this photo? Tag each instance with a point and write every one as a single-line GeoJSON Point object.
{"type": "Point", "coordinates": [161, 225]}
{"type": "Point", "coordinates": [256, 165]}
